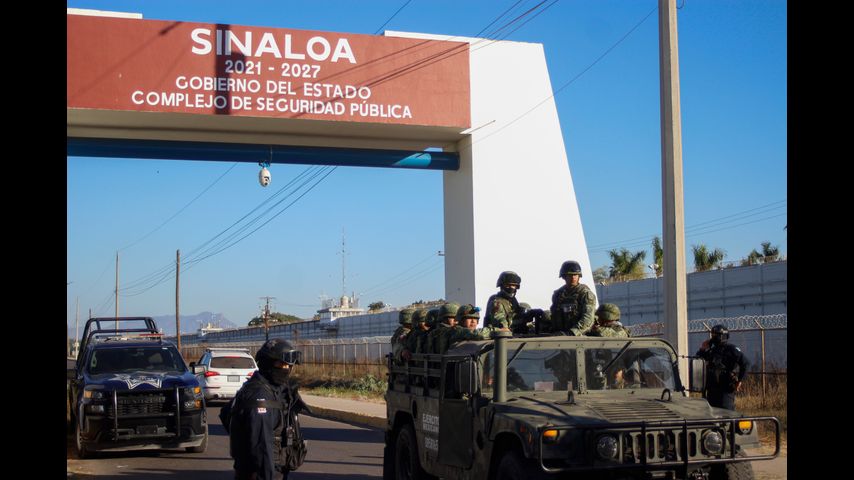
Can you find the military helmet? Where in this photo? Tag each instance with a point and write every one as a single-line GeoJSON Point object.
{"type": "Point", "coordinates": [419, 316]}
{"type": "Point", "coordinates": [721, 332]}
{"type": "Point", "coordinates": [432, 316]}
{"type": "Point", "coordinates": [524, 306]}
{"type": "Point", "coordinates": [608, 312]}
{"type": "Point", "coordinates": [405, 317]}
{"type": "Point", "coordinates": [278, 349]}
{"type": "Point", "coordinates": [508, 277]}
{"type": "Point", "coordinates": [467, 311]}
{"type": "Point", "coordinates": [448, 310]}
{"type": "Point", "coordinates": [570, 267]}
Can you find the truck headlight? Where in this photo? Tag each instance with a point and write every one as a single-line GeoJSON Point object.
{"type": "Point", "coordinates": [713, 442]}
{"type": "Point", "coordinates": [607, 447]}
{"type": "Point", "coordinates": [93, 394]}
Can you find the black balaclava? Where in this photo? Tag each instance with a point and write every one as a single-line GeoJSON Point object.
{"type": "Point", "coordinates": [276, 376]}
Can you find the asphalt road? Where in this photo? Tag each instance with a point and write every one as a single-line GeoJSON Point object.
{"type": "Point", "coordinates": [337, 451]}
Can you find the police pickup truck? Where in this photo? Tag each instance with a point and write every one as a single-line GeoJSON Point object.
{"type": "Point", "coordinates": [536, 407]}
{"type": "Point", "coordinates": [130, 390]}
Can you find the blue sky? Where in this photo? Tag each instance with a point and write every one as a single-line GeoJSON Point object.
{"type": "Point", "coordinates": [732, 58]}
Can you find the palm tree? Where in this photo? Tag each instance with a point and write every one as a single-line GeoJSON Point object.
{"type": "Point", "coordinates": [705, 259]}
{"type": "Point", "coordinates": [658, 255]}
{"type": "Point", "coordinates": [770, 254]}
{"type": "Point", "coordinates": [753, 258]}
{"type": "Point", "coordinates": [626, 265]}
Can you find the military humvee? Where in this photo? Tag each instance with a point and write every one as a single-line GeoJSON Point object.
{"type": "Point", "coordinates": [560, 407]}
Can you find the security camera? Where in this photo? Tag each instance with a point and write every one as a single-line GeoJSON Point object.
{"type": "Point", "coordinates": [264, 177]}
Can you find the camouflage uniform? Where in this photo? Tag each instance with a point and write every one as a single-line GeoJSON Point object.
{"type": "Point", "coordinates": [398, 338]}
{"type": "Point", "coordinates": [572, 309]}
{"type": "Point", "coordinates": [437, 339]}
{"type": "Point", "coordinates": [502, 309]}
{"type": "Point", "coordinates": [432, 316]}
{"type": "Point", "coordinates": [419, 318]}
{"type": "Point", "coordinates": [608, 322]}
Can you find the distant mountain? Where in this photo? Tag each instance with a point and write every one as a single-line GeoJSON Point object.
{"type": "Point", "coordinates": [192, 323]}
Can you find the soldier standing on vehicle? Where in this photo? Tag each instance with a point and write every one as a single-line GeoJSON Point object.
{"type": "Point", "coordinates": [447, 317]}
{"type": "Point", "coordinates": [572, 304]}
{"type": "Point", "coordinates": [726, 367]}
{"type": "Point", "coordinates": [265, 438]}
{"type": "Point", "coordinates": [502, 309]}
{"type": "Point", "coordinates": [398, 338]}
{"type": "Point", "coordinates": [608, 322]}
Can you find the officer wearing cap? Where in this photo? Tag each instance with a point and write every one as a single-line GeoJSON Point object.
{"type": "Point", "coordinates": [265, 438]}
{"type": "Point", "coordinates": [572, 304]}
{"type": "Point", "coordinates": [502, 309]}
{"type": "Point", "coordinates": [608, 322]}
{"type": "Point", "coordinates": [726, 367]}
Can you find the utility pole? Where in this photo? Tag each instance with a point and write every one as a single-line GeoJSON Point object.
{"type": "Point", "coordinates": [267, 316]}
{"type": "Point", "coordinates": [117, 291]}
{"type": "Point", "coordinates": [77, 326]}
{"type": "Point", "coordinates": [675, 281]}
{"type": "Point", "coordinates": [177, 303]}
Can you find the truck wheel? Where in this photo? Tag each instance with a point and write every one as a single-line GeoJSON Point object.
{"type": "Point", "coordinates": [407, 466]}
{"type": "Point", "coordinates": [733, 471]}
{"type": "Point", "coordinates": [201, 448]}
{"type": "Point", "coordinates": [82, 451]}
{"type": "Point", "coordinates": [514, 467]}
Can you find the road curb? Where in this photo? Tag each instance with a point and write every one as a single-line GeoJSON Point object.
{"type": "Point", "coordinates": [349, 417]}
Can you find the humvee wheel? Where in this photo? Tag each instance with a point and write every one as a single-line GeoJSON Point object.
{"type": "Point", "coordinates": [732, 471]}
{"type": "Point", "coordinates": [406, 463]}
{"type": "Point", "coordinates": [514, 467]}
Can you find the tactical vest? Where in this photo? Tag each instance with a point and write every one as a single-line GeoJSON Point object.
{"type": "Point", "coordinates": [289, 448]}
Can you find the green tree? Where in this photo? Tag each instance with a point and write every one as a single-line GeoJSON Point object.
{"type": "Point", "coordinates": [275, 319]}
{"type": "Point", "coordinates": [770, 254]}
{"type": "Point", "coordinates": [753, 258]}
{"type": "Point", "coordinates": [704, 259]}
{"type": "Point", "coordinates": [376, 306]}
{"type": "Point", "coordinates": [658, 256]}
{"type": "Point", "coordinates": [600, 275]}
{"type": "Point", "coordinates": [626, 265]}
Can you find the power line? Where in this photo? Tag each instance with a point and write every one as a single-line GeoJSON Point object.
{"type": "Point", "coordinates": [369, 290]}
{"type": "Point", "coordinates": [182, 208]}
{"type": "Point", "coordinates": [695, 226]}
{"type": "Point", "coordinates": [389, 18]}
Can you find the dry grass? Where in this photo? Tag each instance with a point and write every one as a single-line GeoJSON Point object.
{"type": "Point", "coordinates": [770, 402]}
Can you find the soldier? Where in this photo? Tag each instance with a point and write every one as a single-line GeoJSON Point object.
{"type": "Point", "coordinates": [430, 321]}
{"type": "Point", "coordinates": [419, 329]}
{"type": "Point", "coordinates": [502, 309]}
{"type": "Point", "coordinates": [447, 317]}
{"type": "Point", "coordinates": [572, 304]}
{"type": "Point", "coordinates": [398, 338]}
{"type": "Point", "coordinates": [608, 322]}
{"type": "Point", "coordinates": [726, 367]}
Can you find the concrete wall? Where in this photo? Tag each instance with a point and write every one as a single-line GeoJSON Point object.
{"type": "Point", "coordinates": [730, 292]}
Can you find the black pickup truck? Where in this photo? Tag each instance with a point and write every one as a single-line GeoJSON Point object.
{"type": "Point", "coordinates": [131, 390]}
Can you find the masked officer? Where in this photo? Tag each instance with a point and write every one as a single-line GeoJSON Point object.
{"type": "Point", "coordinates": [502, 309]}
{"type": "Point", "coordinates": [265, 438]}
{"type": "Point", "coordinates": [608, 322]}
{"type": "Point", "coordinates": [572, 304]}
{"type": "Point", "coordinates": [726, 367]}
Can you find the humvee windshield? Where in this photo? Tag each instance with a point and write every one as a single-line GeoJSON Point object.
{"type": "Point", "coordinates": [547, 370]}
{"type": "Point", "coordinates": [135, 359]}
